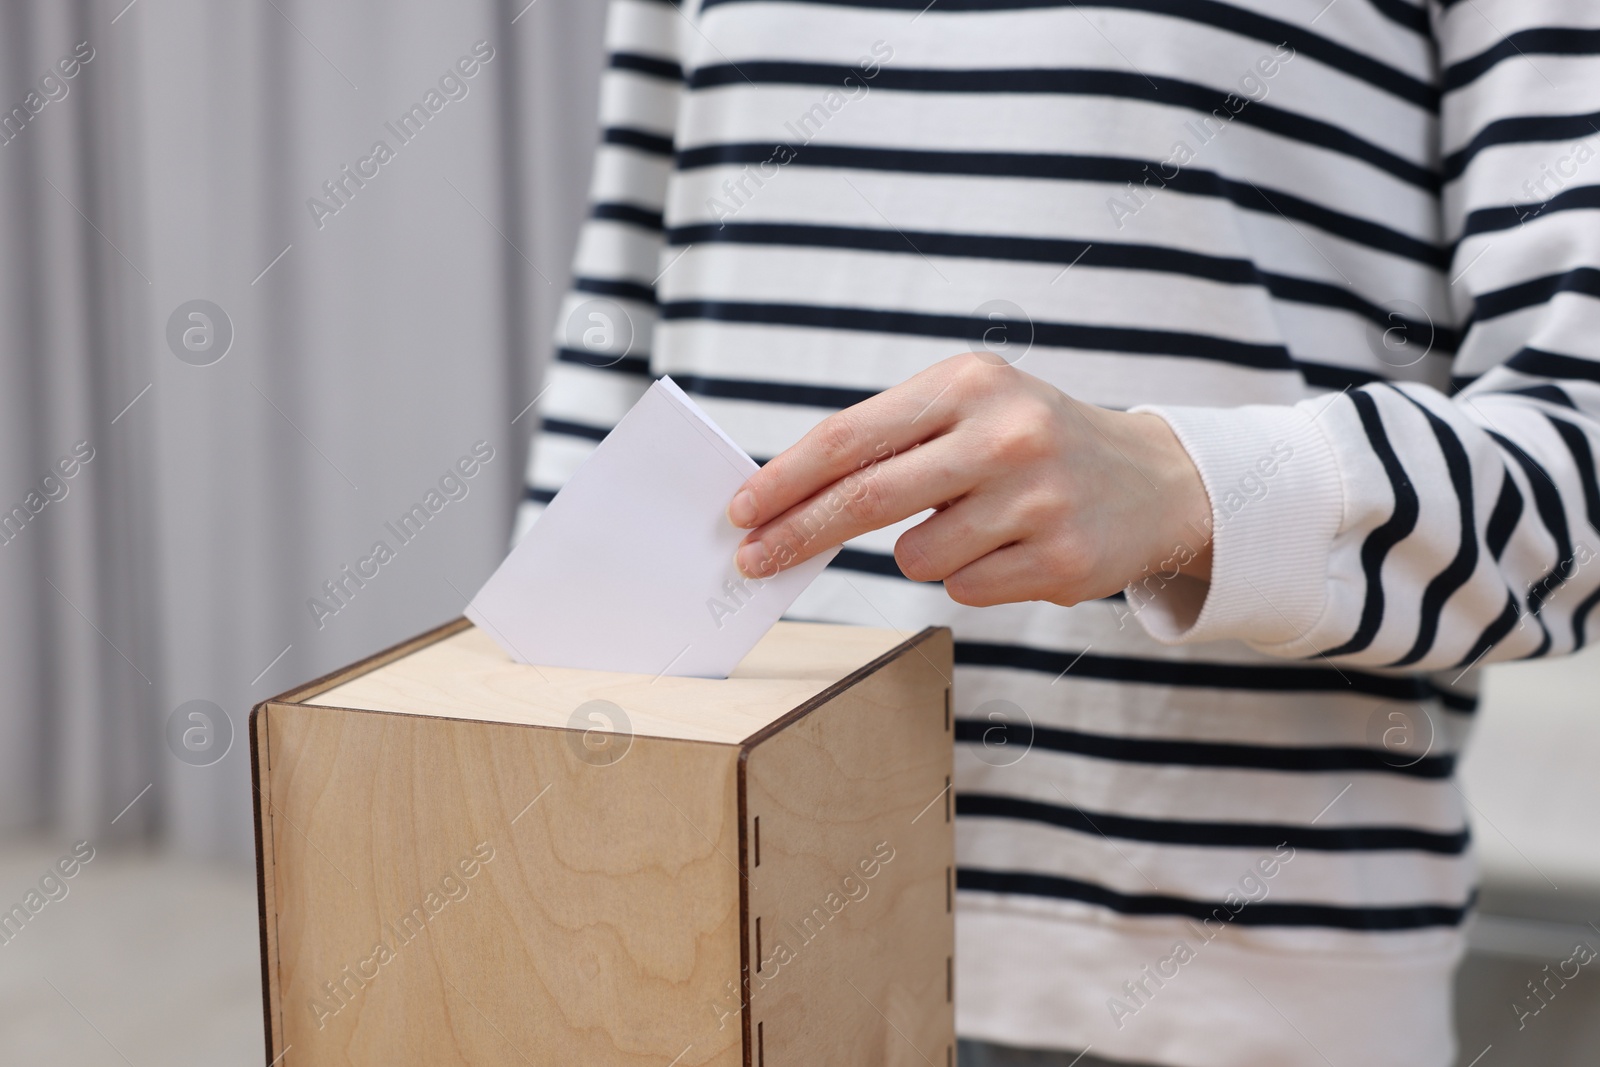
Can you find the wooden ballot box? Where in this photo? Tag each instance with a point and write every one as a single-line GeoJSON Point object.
{"type": "Point", "coordinates": [466, 860]}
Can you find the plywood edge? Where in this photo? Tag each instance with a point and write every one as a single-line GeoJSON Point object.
{"type": "Point", "coordinates": [260, 781]}
{"type": "Point", "coordinates": [641, 734]}
{"type": "Point", "coordinates": [741, 807]}
{"type": "Point", "coordinates": [317, 686]}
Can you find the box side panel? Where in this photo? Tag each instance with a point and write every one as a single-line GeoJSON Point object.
{"type": "Point", "coordinates": [850, 856]}
{"type": "Point", "coordinates": [452, 893]}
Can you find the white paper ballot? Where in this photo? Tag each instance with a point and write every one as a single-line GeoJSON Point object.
{"type": "Point", "coordinates": [630, 568]}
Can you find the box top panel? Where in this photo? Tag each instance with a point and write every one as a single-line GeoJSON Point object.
{"type": "Point", "coordinates": [467, 676]}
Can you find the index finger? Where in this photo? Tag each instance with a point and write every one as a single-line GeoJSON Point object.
{"type": "Point", "coordinates": [845, 442]}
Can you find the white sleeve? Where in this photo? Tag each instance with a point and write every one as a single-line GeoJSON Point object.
{"type": "Point", "coordinates": [1398, 526]}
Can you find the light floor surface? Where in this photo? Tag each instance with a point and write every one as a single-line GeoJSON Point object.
{"type": "Point", "coordinates": [146, 962]}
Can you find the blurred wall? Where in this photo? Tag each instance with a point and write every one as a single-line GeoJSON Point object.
{"type": "Point", "coordinates": [218, 482]}
{"type": "Point", "coordinates": [1534, 799]}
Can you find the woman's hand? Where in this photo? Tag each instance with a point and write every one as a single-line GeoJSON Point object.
{"type": "Point", "coordinates": [1037, 496]}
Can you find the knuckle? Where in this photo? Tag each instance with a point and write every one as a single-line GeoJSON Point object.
{"type": "Point", "coordinates": [1039, 510]}
{"type": "Point", "coordinates": [985, 368]}
{"type": "Point", "coordinates": [1069, 559]}
{"type": "Point", "coordinates": [837, 439]}
{"type": "Point", "coordinates": [870, 501]}
{"type": "Point", "coordinates": [969, 366]}
{"type": "Point", "coordinates": [975, 375]}
{"type": "Point", "coordinates": [1025, 438]}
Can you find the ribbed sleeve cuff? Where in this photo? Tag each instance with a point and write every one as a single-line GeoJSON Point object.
{"type": "Point", "coordinates": [1276, 505]}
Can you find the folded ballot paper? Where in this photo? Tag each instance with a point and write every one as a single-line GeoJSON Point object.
{"type": "Point", "coordinates": [630, 568]}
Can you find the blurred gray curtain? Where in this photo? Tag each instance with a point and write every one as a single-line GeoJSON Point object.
{"type": "Point", "coordinates": [371, 348]}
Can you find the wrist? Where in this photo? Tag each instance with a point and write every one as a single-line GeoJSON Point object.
{"type": "Point", "coordinates": [1180, 516]}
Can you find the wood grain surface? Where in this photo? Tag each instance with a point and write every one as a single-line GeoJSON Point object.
{"type": "Point", "coordinates": [599, 931]}
{"type": "Point", "coordinates": [479, 864]}
{"type": "Point", "coordinates": [466, 675]}
{"type": "Point", "coordinates": [849, 905]}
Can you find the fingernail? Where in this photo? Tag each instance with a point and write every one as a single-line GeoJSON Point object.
{"type": "Point", "coordinates": [751, 559]}
{"type": "Point", "coordinates": [742, 510]}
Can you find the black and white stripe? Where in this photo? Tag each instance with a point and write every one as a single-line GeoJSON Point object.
{"type": "Point", "coordinates": [1393, 250]}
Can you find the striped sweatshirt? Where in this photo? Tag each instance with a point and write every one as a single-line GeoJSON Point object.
{"type": "Point", "coordinates": [1350, 251]}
